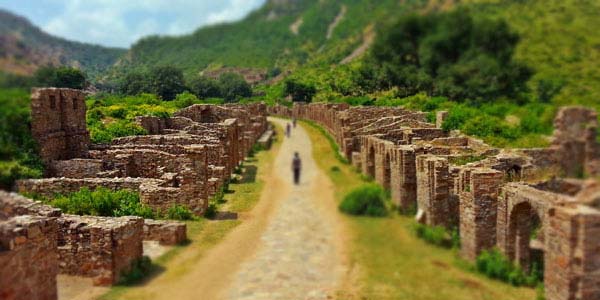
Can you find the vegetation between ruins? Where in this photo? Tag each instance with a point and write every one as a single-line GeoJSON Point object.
{"type": "Point", "coordinates": [391, 262]}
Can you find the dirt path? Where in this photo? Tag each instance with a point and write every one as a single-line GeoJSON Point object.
{"type": "Point", "coordinates": [299, 256]}
{"type": "Point", "coordinates": [287, 247]}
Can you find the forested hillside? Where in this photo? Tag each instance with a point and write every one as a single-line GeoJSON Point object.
{"type": "Point", "coordinates": [558, 40]}
{"type": "Point", "coordinates": [24, 48]}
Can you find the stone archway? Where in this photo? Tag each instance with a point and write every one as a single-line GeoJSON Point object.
{"type": "Point", "coordinates": [525, 237]}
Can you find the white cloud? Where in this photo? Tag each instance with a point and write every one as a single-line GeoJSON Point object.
{"type": "Point", "coordinates": [122, 22]}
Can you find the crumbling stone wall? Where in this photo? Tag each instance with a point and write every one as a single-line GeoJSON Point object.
{"type": "Point", "coordinates": [99, 247]}
{"type": "Point", "coordinates": [165, 232]}
{"type": "Point", "coordinates": [575, 133]}
{"type": "Point", "coordinates": [58, 123]}
{"type": "Point", "coordinates": [185, 160]}
{"type": "Point", "coordinates": [28, 258]}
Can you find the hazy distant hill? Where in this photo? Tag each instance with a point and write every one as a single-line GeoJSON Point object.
{"type": "Point", "coordinates": [25, 47]}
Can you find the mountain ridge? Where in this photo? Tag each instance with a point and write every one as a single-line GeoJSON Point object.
{"type": "Point", "coordinates": [24, 47]}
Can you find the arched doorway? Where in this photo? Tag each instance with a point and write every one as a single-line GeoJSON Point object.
{"type": "Point", "coordinates": [526, 238]}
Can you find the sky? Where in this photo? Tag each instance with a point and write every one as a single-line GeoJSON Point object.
{"type": "Point", "coordinates": [120, 23]}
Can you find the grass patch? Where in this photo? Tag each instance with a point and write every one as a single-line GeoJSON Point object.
{"type": "Point", "coordinates": [334, 146]}
{"type": "Point", "coordinates": [391, 262]}
{"type": "Point", "coordinates": [140, 268]}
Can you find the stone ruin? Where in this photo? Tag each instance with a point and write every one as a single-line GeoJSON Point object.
{"type": "Point", "coordinates": [184, 160]}
{"type": "Point", "coordinates": [494, 197]}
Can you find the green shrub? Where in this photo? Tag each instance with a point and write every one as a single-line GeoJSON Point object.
{"type": "Point", "coordinates": [335, 169]}
{"type": "Point", "coordinates": [179, 212]}
{"type": "Point", "coordinates": [102, 202]}
{"type": "Point", "coordinates": [140, 268]}
{"type": "Point", "coordinates": [497, 266]}
{"type": "Point", "coordinates": [211, 211]}
{"type": "Point", "coordinates": [436, 235]}
{"type": "Point", "coordinates": [368, 199]}
{"type": "Point", "coordinates": [13, 170]}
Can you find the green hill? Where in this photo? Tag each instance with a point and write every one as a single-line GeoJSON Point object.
{"type": "Point", "coordinates": [24, 48]}
{"type": "Point", "coordinates": [559, 40]}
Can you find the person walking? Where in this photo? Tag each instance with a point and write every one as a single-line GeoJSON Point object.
{"type": "Point", "coordinates": [294, 121]}
{"type": "Point", "coordinates": [288, 130]}
{"type": "Point", "coordinates": [296, 167]}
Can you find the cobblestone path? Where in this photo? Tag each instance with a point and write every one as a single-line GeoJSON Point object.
{"type": "Point", "coordinates": [298, 256]}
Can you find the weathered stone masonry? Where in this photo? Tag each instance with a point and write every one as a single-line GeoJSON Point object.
{"type": "Point", "coordinates": [493, 199]}
{"type": "Point", "coordinates": [185, 160]}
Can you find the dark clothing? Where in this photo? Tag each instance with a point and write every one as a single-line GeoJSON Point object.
{"type": "Point", "coordinates": [288, 130]}
{"type": "Point", "coordinates": [294, 122]}
{"type": "Point", "coordinates": [296, 167]}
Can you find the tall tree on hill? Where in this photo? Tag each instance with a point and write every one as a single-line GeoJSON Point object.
{"type": "Point", "coordinates": [449, 54]}
{"type": "Point", "coordinates": [234, 86]}
{"type": "Point", "coordinates": [61, 77]}
{"type": "Point", "coordinates": [166, 82]}
{"type": "Point", "coordinates": [204, 87]}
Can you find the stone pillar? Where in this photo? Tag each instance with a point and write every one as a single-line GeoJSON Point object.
{"type": "Point", "coordinates": [478, 211]}
{"type": "Point", "coordinates": [572, 259]}
{"type": "Point", "coordinates": [404, 178]}
{"type": "Point", "coordinates": [440, 117]}
{"type": "Point", "coordinates": [433, 189]}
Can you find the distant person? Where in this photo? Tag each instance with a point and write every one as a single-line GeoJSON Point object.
{"type": "Point", "coordinates": [288, 130]}
{"type": "Point", "coordinates": [294, 122]}
{"type": "Point", "coordinates": [296, 167]}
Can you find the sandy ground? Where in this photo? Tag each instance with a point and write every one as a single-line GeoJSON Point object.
{"type": "Point", "coordinates": [289, 246]}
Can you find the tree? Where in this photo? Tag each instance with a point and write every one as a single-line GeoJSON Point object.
{"type": "Point", "coordinates": [166, 82]}
{"type": "Point", "coordinates": [447, 54]}
{"type": "Point", "coordinates": [134, 83]}
{"type": "Point", "coordinates": [300, 92]}
{"type": "Point", "coordinates": [205, 87]}
{"type": "Point", "coordinates": [61, 77]}
{"type": "Point", "coordinates": [234, 86]}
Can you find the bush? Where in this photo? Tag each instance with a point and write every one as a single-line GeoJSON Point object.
{"type": "Point", "coordinates": [211, 211]}
{"type": "Point", "coordinates": [179, 212]}
{"type": "Point", "coordinates": [365, 200]}
{"type": "Point", "coordinates": [13, 170]}
{"type": "Point", "coordinates": [497, 266]}
{"type": "Point", "coordinates": [436, 235]}
{"type": "Point", "coordinates": [140, 268]}
{"type": "Point", "coordinates": [102, 202]}
{"type": "Point", "coordinates": [234, 86]}
{"type": "Point", "coordinates": [61, 77]}
{"type": "Point", "coordinates": [300, 92]}
{"type": "Point", "coordinates": [205, 87]}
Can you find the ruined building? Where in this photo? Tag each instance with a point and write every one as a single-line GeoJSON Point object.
{"type": "Point", "coordinates": [526, 202]}
{"type": "Point", "coordinates": [184, 160]}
